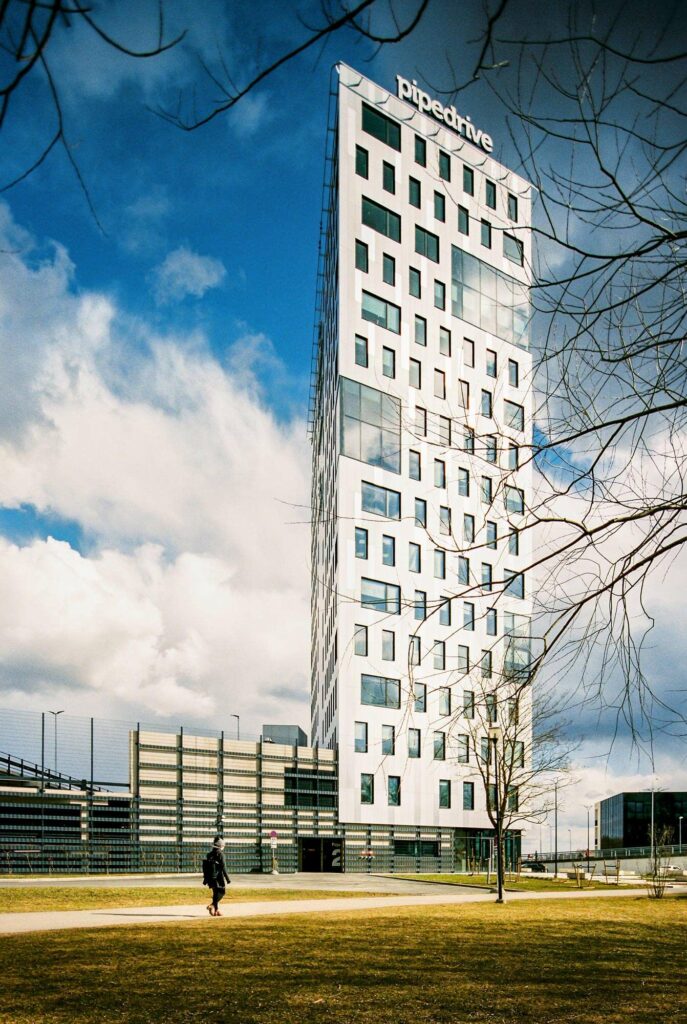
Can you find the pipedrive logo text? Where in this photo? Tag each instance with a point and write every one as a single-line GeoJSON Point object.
{"type": "Point", "coordinates": [449, 115]}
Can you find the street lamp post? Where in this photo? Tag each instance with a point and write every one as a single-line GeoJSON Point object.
{"type": "Point", "coordinates": [588, 808]}
{"type": "Point", "coordinates": [679, 829]}
{"type": "Point", "coordinates": [570, 841]}
{"type": "Point", "coordinates": [555, 829]}
{"type": "Point", "coordinates": [54, 718]}
{"type": "Point", "coordinates": [494, 737]}
{"type": "Point", "coordinates": [238, 726]}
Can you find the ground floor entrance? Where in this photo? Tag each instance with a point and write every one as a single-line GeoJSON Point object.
{"type": "Point", "coordinates": [316, 853]}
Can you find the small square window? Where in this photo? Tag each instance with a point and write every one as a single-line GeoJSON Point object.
{"type": "Point", "coordinates": [468, 180]}
{"type": "Point", "coordinates": [360, 351]}
{"type": "Point", "coordinates": [468, 352]}
{"type": "Point", "coordinates": [490, 194]}
{"type": "Point", "coordinates": [414, 466]}
{"type": "Point", "coordinates": [439, 473]}
{"type": "Point", "coordinates": [388, 550]}
{"type": "Point", "coordinates": [361, 737]}
{"type": "Point", "coordinates": [420, 151]}
{"type": "Point", "coordinates": [512, 207]}
{"type": "Point", "coordinates": [388, 177]}
{"type": "Point", "coordinates": [361, 261]}
{"type": "Point", "coordinates": [463, 221]}
{"type": "Point", "coordinates": [444, 165]}
{"type": "Point", "coordinates": [388, 645]}
{"type": "Point", "coordinates": [444, 341]}
{"type": "Point", "coordinates": [440, 206]}
{"type": "Point", "coordinates": [513, 373]}
{"type": "Point", "coordinates": [388, 269]}
{"type": "Point", "coordinates": [420, 331]}
{"type": "Point", "coordinates": [414, 284]}
{"type": "Point", "coordinates": [360, 641]}
{"type": "Point", "coordinates": [360, 542]}
{"type": "Point", "coordinates": [361, 162]}
{"type": "Point", "coordinates": [414, 193]}
{"type": "Point", "coordinates": [415, 373]}
{"type": "Point", "coordinates": [485, 235]}
{"type": "Point", "coordinates": [388, 362]}
{"type": "Point", "coordinates": [439, 384]}
{"type": "Point", "coordinates": [440, 295]}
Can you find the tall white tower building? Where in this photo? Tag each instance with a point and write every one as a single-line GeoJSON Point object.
{"type": "Point", "coordinates": [420, 419]}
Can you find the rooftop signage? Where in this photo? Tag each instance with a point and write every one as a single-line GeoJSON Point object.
{"type": "Point", "coordinates": [449, 116]}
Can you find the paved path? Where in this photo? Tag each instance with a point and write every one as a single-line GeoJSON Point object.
{"type": "Point", "coordinates": [13, 924]}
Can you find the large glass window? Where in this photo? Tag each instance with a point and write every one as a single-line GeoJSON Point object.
{"type": "Point", "coordinates": [468, 528]}
{"type": "Point", "coordinates": [381, 127]}
{"type": "Point", "coordinates": [492, 622]}
{"type": "Point", "coordinates": [468, 615]}
{"type": "Point", "coordinates": [380, 312]}
{"type": "Point", "coordinates": [380, 501]}
{"type": "Point", "coordinates": [370, 426]}
{"type": "Point", "coordinates": [485, 234]}
{"type": "Point", "coordinates": [426, 244]}
{"type": "Point", "coordinates": [468, 704]}
{"type": "Point", "coordinates": [377, 217]}
{"type": "Point", "coordinates": [440, 295]}
{"type": "Point", "coordinates": [361, 737]}
{"type": "Point", "coordinates": [381, 597]}
{"type": "Point", "coordinates": [489, 299]}
{"type": "Point", "coordinates": [463, 662]}
{"type": "Point", "coordinates": [444, 341]}
{"type": "Point", "coordinates": [380, 692]}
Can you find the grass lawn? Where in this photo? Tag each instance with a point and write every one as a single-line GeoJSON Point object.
{"type": "Point", "coordinates": [524, 884]}
{"type": "Point", "coordinates": [76, 898]}
{"type": "Point", "coordinates": [547, 962]}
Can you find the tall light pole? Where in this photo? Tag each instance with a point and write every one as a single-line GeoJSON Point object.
{"type": "Point", "coordinates": [588, 809]}
{"type": "Point", "coordinates": [679, 828]}
{"type": "Point", "coordinates": [238, 726]}
{"type": "Point", "coordinates": [570, 841]}
{"type": "Point", "coordinates": [555, 829]}
{"type": "Point", "coordinates": [54, 718]}
{"type": "Point", "coordinates": [494, 737]}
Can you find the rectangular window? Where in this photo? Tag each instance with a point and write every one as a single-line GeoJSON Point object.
{"type": "Point", "coordinates": [514, 415]}
{"type": "Point", "coordinates": [420, 697]}
{"type": "Point", "coordinates": [361, 737]}
{"type": "Point", "coordinates": [426, 244]}
{"type": "Point", "coordinates": [444, 701]}
{"type": "Point", "coordinates": [360, 542]}
{"type": "Point", "coordinates": [489, 299]}
{"type": "Point", "coordinates": [514, 500]}
{"type": "Point", "coordinates": [380, 501]}
{"type": "Point", "coordinates": [468, 180]}
{"type": "Point", "coordinates": [382, 313]}
{"type": "Point", "coordinates": [394, 790]}
{"type": "Point", "coordinates": [440, 206]}
{"type": "Point", "coordinates": [445, 521]}
{"type": "Point", "coordinates": [439, 473]}
{"type": "Point", "coordinates": [445, 431]}
{"type": "Point", "coordinates": [491, 452]}
{"type": "Point", "coordinates": [414, 464]}
{"type": "Point", "coordinates": [414, 743]}
{"type": "Point", "coordinates": [463, 571]}
{"type": "Point", "coordinates": [463, 664]}
{"type": "Point", "coordinates": [491, 363]}
{"type": "Point", "coordinates": [444, 793]}
{"type": "Point", "coordinates": [415, 373]}
{"type": "Point", "coordinates": [388, 269]}
{"type": "Point", "coordinates": [490, 194]}
{"type": "Point", "coordinates": [440, 295]}
{"type": "Point", "coordinates": [420, 331]}
{"type": "Point", "coordinates": [468, 352]}
{"type": "Point", "coordinates": [388, 177]}
{"type": "Point", "coordinates": [420, 421]}
{"type": "Point", "coordinates": [414, 193]}
{"type": "Point", "coordinates": [463, 221]}
{"type": "Point", "coordinates": [513, 543]}
{"type": "Point", "coordinates": [464, 394]}
{"type": "Point", "coordinates": [420, 151]}
{"type": "Point", "coordinates": [367, 788]}
{"type": "Point", "coordinates": [463, 749]}
{"type": "Point", "coordinates": [388, 362]}
{"type": "Point", "coordinates": [414, 283]}
{"type": "Point", "coordinates": [439, 564]}
{"type": "Point", "coordinates": [486, 405]}
{"type": "Point", "coordinates": [468, 616]}
{"type": "Point", "coordinates": [468, 704]}
{"type": "Point", "coordinates": [388, 550]}
{"type": "Point", "coordinates": [487, 490]}
{"type": "Point", "coordinates": [492, 535]}
{"type": "Point", "coordinates": [381, 597]}
{"type": "Point", "coordinates": [468, 528]}
{"type": "Point", "coordinates": [381, 127]}
{"type": "Point", "coordinates": [439, 653]}
{"type": "Point", "coordinates": [492, 622]}
{"type": "Point", "coordinates": [439, 746]}
{"type": "Point", "coordinates": [439, 384]}
{"type": "Point", "coordinates": [415, 652]}
{"type": "Point", "coordinates": [388, 739]}
{"type": "Point", "coordinates": [463, 483]}
{"type": "Point", "coordinates": [485, 750]}
{"type": "Point", "coordinates": [515, 583]}
{"type": "Point", "coordinates": [361, 162]}
{"type": "Point", "coordinates": [444, 341]}
{"type": "Point", "coordinates": [487, 577]}
{"type": "Point", "coordinates": [414, 557]}
{"type": "Point", "coordinates": [445, 612]}
{"type": "Point", "coordinates": [420, 605]}
{"type": "Point", "coordinates": [486, 666]}
{"type": "Point", "coordinates": [513, 456]}
{"type": "Point", "coordinates": [513, 249]}
{"type": "Point", "coordinates": [513, 373]}
{"type": "Point", "coordinates": [379, 692]}
{"type": "Point", "coordinates": [370, 426]}
{"type": "Point", "coordinates": [360, 351]}
{"type": "Point", "coordinates": [388, 645]}
{"type": "Point", "coordinates": [468, 796]}
{"type": "Point", "coordinates": [360, 640]}
{"type": "Point", "coordinates": [444, 165]}
{"type": "Point", "coordinates": [485, 234]}
{"type": "Point", "coordinates": [361, 261]}
{"type": "Point", "coordinates": [513, 799]}
{"type": "Point", "coordinates": [377, 217]}
{"type": "Point", "coordinates": [420, 512]}
{"type": "Point", "coordinates": [512, 207]}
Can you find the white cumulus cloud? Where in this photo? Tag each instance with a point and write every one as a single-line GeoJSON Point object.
{"type": "Point", "coordinates": [184, 272]}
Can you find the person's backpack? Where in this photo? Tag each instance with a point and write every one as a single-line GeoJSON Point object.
{"type": "Point", "coordinates": [209, 870]}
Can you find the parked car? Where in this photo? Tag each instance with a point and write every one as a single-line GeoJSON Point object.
{"type": "Point", "coordinates": [534, 865]}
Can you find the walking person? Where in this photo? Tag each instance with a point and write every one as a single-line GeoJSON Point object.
{"type": "Point", "coordinates": [215, 875]}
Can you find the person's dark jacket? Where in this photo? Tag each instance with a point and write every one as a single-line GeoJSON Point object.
{"type": "Point", "coordinates": [220, 868]}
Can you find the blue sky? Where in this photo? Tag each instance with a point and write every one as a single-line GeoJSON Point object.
{"type": "Point", "coordinates": [156, 368]}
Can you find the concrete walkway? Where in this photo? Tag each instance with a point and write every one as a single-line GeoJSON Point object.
{"type": "Point", "coordinates": [39, 921]}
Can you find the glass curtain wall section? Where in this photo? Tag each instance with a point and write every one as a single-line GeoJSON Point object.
{"type": "Point", "coordinates": [489, 299]}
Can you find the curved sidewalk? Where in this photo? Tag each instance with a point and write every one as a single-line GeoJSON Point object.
{"type": "Point", "coordinates": [40, 921]}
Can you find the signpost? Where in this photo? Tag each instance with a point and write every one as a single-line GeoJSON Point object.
{"type": "Point", "coordinates": [273, 846]}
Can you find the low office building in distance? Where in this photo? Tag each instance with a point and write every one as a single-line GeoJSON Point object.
{"type": "Point", "coordinates": [623, 821]}
{"type": "Point", "coordinates": [420, 426]}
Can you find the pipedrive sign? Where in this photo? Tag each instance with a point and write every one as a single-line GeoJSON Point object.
{"type": "Point", "coordinates": [449, 116]}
